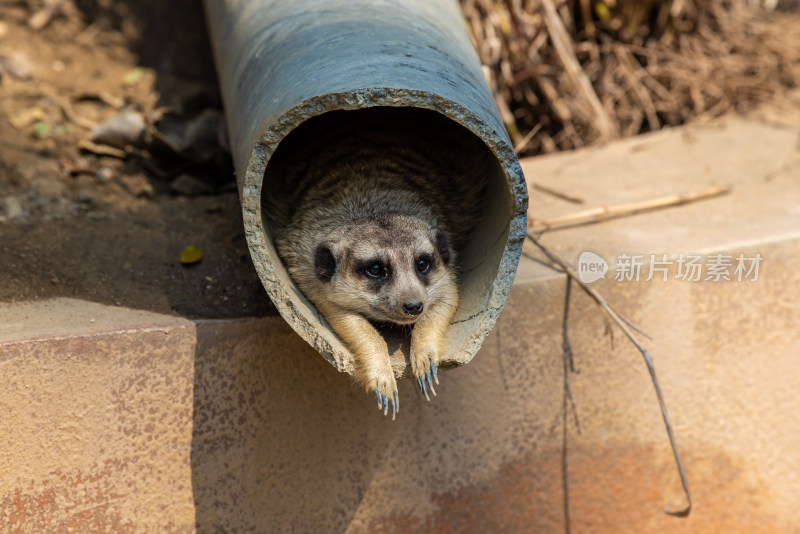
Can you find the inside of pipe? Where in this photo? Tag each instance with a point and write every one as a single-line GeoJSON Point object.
{"type": "Point", "coordinates": [478, 260]}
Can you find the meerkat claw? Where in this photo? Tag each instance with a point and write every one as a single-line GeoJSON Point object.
{"type": "Point", "coordinates": [435, 378]}
{"type": "Point", "coordinates": [430, 382]}
{"type": "Point", "coordinates": [384, 401]}
{"type": "Point", "coordinates": [421, 383]}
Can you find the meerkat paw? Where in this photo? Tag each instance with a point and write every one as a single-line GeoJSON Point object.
{"type": "Point", "coordinates": [424, 367]}
{"type": "Point", "coordinates": [384, 385]}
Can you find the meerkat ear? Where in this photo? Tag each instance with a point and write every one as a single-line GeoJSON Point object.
{"type": "Point", "coordinates": [325, 260]}
{"type": "Point", "coordinates": [442, 245]}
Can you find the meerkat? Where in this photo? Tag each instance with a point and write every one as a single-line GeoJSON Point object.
{"type": "Point", "coordinates": [369, 227]}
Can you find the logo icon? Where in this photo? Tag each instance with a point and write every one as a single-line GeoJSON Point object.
{"type": "Point", "coordinates": [591, 267]}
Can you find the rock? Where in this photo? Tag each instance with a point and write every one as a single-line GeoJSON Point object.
{"type": "Point", "coordinates": [137, 185]}
{"type": "Point", "coordinates": [16, 64]}
{"type": "Point", "coordinates": [104, 175]}
{"type": "Point", "coordinates": [11, 208]}
{"type": "Point", "coordinates": [188, 185]}
{"type": "Point", "coordinates": [126, 128]}
{"type": "Point", "coordinates": [85, 196]}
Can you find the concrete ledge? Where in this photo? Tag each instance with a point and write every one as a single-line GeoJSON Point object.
{"type": "Point", "coordinates": [97, 418]}
{"type": "Point", "coordinates": [145, 422]}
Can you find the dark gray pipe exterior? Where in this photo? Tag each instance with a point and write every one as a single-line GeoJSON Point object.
{"type": "Point", "coordinates": [281, 62]}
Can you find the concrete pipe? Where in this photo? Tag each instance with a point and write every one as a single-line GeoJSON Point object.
{"type": "Point", "coordinates": [287, 66]}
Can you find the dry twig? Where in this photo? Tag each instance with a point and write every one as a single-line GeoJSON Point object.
{"type": "Point", "coordinates": [578, 69]}
{"type": "Point", "coordinates": [102, 150]}
{"type": "Point", "coordinates": [556, 193]}
{"type": "Point", "coordinates": [623, 325]}
{"type": "Point", "coordinates": [604, 213]}
{"type": "Point", "coordinates": [563, 46]}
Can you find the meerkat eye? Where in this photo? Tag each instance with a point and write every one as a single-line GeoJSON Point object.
{"type": "Point", "coordinates": [423, 264]}
{"type": "Point", "coordinates": [375, 269]}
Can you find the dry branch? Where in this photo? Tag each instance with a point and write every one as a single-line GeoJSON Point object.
{"type": "Point", "coordinates": [556, 193]}
{"type": "Point", "coordinates": [604, 213]}
{"type": "Point", "coordinates": [580, 70]}
{"type": "Point", "coordinates": [563, 46]}
{"type": "Point", "coordinates": [623, 323]}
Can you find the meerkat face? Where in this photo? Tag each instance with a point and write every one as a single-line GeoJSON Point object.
{"type": "Point", "coordinates": [387, 268]}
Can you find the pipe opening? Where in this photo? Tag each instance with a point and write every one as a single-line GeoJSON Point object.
{"type": "Point", "coordinates": [461, 167]}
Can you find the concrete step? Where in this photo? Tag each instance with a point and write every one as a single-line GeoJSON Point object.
{"type": "Point", "coordinates": [116, 419]}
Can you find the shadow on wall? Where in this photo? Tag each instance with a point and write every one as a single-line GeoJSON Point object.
{"type": "Point", "coordinates": [283, 443]}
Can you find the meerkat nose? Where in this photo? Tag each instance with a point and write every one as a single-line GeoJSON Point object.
{"type": "Point", "coordinates": [413, 309]}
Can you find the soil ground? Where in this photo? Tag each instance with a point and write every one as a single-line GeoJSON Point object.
{"type": "Point", "coordinates": [103, 228]}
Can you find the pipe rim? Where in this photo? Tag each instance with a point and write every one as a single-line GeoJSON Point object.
{"type": "Point", "coordinates": [275, 129]}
